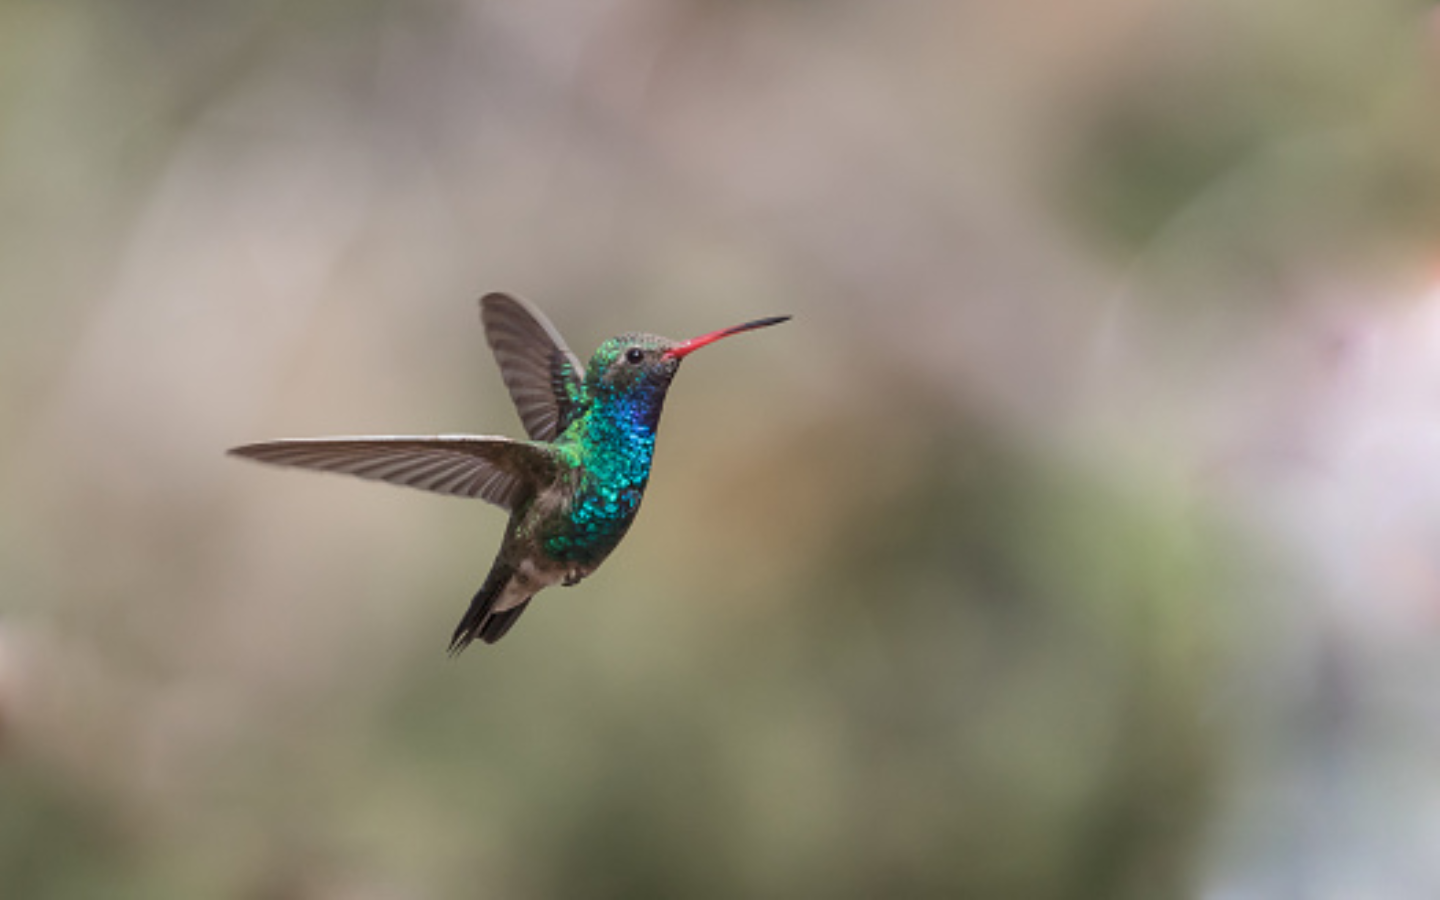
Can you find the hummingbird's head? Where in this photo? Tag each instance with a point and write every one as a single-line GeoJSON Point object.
{"type": "Point", "coordinates": [646, 363]}
{"type": "Point", "coordinates": [632, 363]}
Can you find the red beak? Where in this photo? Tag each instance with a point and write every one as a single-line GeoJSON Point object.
{"type": "Point", "coordinates": [685, 348]}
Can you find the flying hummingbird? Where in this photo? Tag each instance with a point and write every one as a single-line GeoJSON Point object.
{"type": "Point", "coordinates": [572, 490]}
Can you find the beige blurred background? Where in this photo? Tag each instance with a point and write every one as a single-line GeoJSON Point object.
{"type": "Point", "coordinates": [1080, 537]}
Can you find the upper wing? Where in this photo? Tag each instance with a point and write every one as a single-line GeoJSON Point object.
{"type": "Point", "coordinates": [496, 469]}
{"type": "Point", "coordinates": [545, 379]}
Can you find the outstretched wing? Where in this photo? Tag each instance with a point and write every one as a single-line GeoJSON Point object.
{"type": "Point", "coordinates": [496, 469]}
{"type": "Point", "coordinates": [545, 379]}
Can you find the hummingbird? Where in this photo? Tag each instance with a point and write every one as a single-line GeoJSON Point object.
{"type": "Point", "coordinates": [572, 489]}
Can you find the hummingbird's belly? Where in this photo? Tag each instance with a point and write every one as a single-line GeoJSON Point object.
{"type": "Point", "coordinates": [595, 524]}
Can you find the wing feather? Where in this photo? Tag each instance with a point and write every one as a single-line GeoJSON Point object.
{"type": "Point", "coordinates": [545, 379]}
{"type": "Point", "coordinates": [495, 469]}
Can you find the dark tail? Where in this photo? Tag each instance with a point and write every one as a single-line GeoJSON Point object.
{"type": "Point", "coordinates": [479, 621]}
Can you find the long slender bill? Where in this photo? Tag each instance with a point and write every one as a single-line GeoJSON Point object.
{"type": "Point", "coordinates": [685, 348]}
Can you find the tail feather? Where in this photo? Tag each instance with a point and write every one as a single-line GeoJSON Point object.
{"type": "Point", "coordinates": [481, 619]}
{"type": "Point", "coordinates": [496, 624]}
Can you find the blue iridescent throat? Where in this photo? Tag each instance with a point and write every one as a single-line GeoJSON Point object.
{"type": "Point", "coordinates": [617, 436]}
{"type": "Point", "coordinates": [612, 445]}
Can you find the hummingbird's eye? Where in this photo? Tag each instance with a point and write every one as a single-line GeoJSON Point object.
{"type": "Point", "coordinates": [634, 356]}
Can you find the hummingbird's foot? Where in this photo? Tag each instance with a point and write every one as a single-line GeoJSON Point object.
{"type": "Point", "coordinates": [572, 577]}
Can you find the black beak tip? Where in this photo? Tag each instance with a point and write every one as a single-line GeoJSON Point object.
{"type": "Point", "coordinates": [764, 323]}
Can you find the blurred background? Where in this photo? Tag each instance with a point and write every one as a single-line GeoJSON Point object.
{"type": "Point", "coordinates": [1080, 537]}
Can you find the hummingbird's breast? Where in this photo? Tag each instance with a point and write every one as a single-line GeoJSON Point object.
{"type": "Point", "coordinates": [611, 469]}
